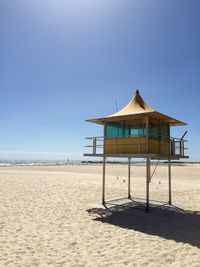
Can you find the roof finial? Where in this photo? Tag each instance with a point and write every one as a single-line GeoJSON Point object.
{"type": "Point", "coordinates": [137, 92]}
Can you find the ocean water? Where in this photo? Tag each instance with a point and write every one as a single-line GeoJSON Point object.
{"type": "Point", "coordinates": [4, 163]}
{"type": "Point", "coordinates": [7, 163]}
{"type": "Point", "coordinates": [142, 162]}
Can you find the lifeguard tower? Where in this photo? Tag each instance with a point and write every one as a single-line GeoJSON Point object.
{"type": "Point", "coordinates": [138, 131]}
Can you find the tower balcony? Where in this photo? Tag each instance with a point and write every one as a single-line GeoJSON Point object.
{"type": "Point", "coordinates": [151, 146]}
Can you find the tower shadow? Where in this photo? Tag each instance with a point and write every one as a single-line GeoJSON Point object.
{"type": "Point", "coordinates": [165, 221]}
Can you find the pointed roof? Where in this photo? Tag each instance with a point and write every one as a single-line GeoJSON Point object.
{"type": "Point", "coordinates": [136, 108]}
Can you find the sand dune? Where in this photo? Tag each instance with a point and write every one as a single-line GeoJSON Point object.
{"type": "Point", "coordinates": [44, 219]}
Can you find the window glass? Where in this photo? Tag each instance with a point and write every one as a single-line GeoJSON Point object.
{"type": "Point", "coordinates": [164, 130]}
{"type": "Point", "coordinates": [138, 131]}
{"type": "Point", "coordinates": [154, 132]}
{"type": "Point", "coordinates": [124, 131]}
{"type": "Point", "coordinates": [116, 131]}
{"type": "Point", "coordinates": [158, 130]}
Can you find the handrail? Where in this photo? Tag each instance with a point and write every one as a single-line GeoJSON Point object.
{"type": "Point", "coordinates": [176, 145]}
{"type": "Point", "coordinates": [100, 146]}
{"type": "Point", "coordinates": [94, 137]}
{"type": "Point", "coordinates": [101, 138]}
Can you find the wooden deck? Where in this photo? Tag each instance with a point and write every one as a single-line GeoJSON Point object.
{"type": "Point", "coordinates": [151, 156]}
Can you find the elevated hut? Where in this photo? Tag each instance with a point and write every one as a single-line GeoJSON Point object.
{"type": "Point", "coordinates": [138, 131]}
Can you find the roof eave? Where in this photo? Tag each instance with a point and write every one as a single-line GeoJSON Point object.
{"type": "Point", "coordinates": [118, 118]}
{"type": "Point", "coordinates": [174, 122]}
{"type": "Point", "coordinates": [171, 121]}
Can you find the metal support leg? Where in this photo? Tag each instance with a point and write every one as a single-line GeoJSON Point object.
{"type": "Point", "coordinates": [129, 178]}
{"type": "Point", "coordinates": [169, 175]}
{"type": "Point", "coordinates": [103, 180]}
{"type": "Point", "coordinates": [148, 174]}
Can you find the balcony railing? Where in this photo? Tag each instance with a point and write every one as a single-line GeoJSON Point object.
{"type": "Point", "coordinates": [97, 145]}
{"type": "Point", "coordinates": [176, 146]}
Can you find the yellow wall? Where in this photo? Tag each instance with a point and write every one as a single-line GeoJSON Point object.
{"type": "Point", "coordinates": [157, 146]}
{"type": "Point", "coordinates": [125, 145]}
{"type": "Point", "coordinates": [136, 146]}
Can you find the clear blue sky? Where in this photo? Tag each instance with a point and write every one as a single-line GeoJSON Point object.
{"type": "Point", "coordinates": [62, 62]}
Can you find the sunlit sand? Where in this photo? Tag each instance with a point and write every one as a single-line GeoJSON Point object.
{"type": "Point", "coordinates": [44, 219]}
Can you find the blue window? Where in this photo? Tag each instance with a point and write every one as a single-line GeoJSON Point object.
{"type": "Point", "coordinates": [113, 131]}
{"type": "Point", "coordinates": [116, 131]}
{"type": "Point", "coordinates": [138, 131]}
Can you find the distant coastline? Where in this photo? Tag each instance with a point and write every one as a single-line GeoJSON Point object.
{"type": "Point", "coordinates": [4, 163]}
{"type": "Point", "coordinates": [7, 163]}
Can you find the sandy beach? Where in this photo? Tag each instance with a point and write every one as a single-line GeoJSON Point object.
{"type": "Point", "coordinates": [44, 218]}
